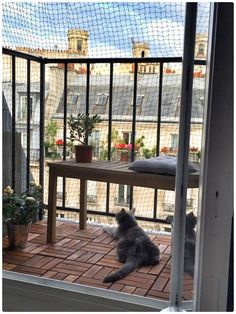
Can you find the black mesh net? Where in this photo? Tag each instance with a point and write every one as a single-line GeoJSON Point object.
{"type": "Point", "coordinates": [111, 28]}
{"type": "Point", "coordinates": [108, 30]}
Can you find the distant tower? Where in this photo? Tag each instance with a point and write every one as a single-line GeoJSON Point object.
{"type": "Point", "coordinates": [140, 49]}
{"type": "Point", "coordinates": [201, 46]}
{"type": "Point", "coordinates": [78, 41]}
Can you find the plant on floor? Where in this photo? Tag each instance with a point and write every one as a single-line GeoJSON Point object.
{"type": "Point", "coordinates": [81, 127]}
{"type": "Point", "coordinates": [18, 212]}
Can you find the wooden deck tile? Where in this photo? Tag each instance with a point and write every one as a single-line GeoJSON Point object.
{"type": "Point", "coordinates": [60, 276]}
{"type": "Point", "coordinates": [76, 255]}
{"type": "Point", "coordinates": [158, 294]}
{"type": "Point", "coordinates": [52, 263]}
{"type": "Point", "coordinates": [92, 271]}
{"type": "Point", "coordinates": [92, 282]}
{"type": "Point", "coordinates": [71, 267]}
{"type": "Point", "coordinates": [8, 266]}
{"type": "Point", "coordinates": [29, 270]}
{"type": "Point", "coordinates": [17, 259]}
{"type": "Point", "coordinates": [33, 260]}
{"type": "Point", "coordinates": [49, 274]}
{"type": "Point", "coordinates": [160, 283]}
{"type": "Point", "coordinates": [140, 291]}
{"type": "Point", "coordinates": [101, 274]}
{"type": "Point", "coordinates": [60, 252]}
{"type": "Point", "coordinates": [95, 258]}
{"type": "Point", "coordinates": [99, 246]}
{"type": "Point", "coordinates": [116, 287]}
{"type": "Point", "coordinates": [109, 262]}
{"type": "Point", "coordinates": [71, 278]}
{"type": "Point", "coordinates": [87, 256]}
{"type": "Point", "coordinates": [156, 269]}
{"type": "Point", "coordinates": [162, 247]}
{"type": "Point", "coordinates": [128, 289]}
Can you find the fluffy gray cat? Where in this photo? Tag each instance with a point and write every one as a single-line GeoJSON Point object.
{"type": "Point", "coordinates": [134, 247]}
{"type": "Point", "coordinates": [190, 240]}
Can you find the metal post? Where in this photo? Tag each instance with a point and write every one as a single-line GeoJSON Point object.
{"type": "Point", "coordinates": [41, 130]}
{"type": "Point", "coordinates": [87, 96]}
{"type": "Point", "coordinates": [158, 132]}
{"type": "Point", "coordinates": [29, 109]}
{"type": "Point", "coordinates": [13, 150]}
{"type": "Point", "coordinates": [178, 241]}
{"type": "Point", "coordinates": [109, 132]}
{"type": "Point", "coordinates": [133, 126]}
{"type": "Point", "coordinates": [64, 134]}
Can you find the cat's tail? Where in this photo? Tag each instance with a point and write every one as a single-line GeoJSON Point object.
{"type": "Point", "coordinates": [128, 267]}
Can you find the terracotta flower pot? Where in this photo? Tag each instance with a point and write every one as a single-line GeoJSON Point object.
{"type": "Point", "coordinates": [17, 235]}
{"type": "Point", "coordinates": [124, 157]}
{"type": "Point", "coordinates": [83, 153]}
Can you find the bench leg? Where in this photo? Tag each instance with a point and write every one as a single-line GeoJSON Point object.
{"type": "Point", "coordinates": [83, 204]}
{"type": "Point", "coordinates": [52, 198]}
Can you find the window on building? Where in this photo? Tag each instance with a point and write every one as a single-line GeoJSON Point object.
{"type": "Point", "coordinates": [123, 194]}
{"type": "Point", "coordinates": [126, 137]}
{"type": "Point", "coordinates": [79, 45]}
{"type": "Point", "coordinates": [24, 106]}
{"type": "Point", "coordinates": [94, 140]}
{"type": "Point", "coordinates": [174, 141]}
{"type": "Point", "coordinates": [24, 140]}
{"type": "Point", "coordinates": [143, 54]}
{"type": "Point", "coordinates": [201, 49]}
{"type": "Point", "coordinates": [102, 99]}
{"type": "Point", "coordinates": [139, 100]}
{"type": "Point", "coordinates": [92, 191]}
{"type": "Point", "coordinates": [73, 103]}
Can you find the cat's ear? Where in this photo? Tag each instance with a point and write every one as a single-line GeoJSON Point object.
{"type": "Point", "coordinates": [132, 210]}
{"type": "Point", "coordinates": [192, 219]}
{"type": "Point", "coordinates": [122, 211]}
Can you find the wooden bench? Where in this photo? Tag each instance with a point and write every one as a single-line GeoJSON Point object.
{"type": "Point", "coordinates": [104, 171]}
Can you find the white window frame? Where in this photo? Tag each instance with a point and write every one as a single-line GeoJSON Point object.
{"type": "Point", "coordinates": [138, 103]}
{"type": "Point", "coordinates": [23, 97]}
{"type": "Point", "coordinates": [72, 95]}
{"type": "Point", "coordinates": [174, 141]}
{"type": "Point", "coordinates": [24, 140]}
{"type": "Point", "coordinates": [102, 99]}
{"type": "Point", "coordinates": [129, 136]}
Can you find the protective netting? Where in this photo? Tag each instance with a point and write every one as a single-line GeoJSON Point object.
{"type": "Point", "coordinates": [111, 27]}
{"type": "Point", "coordinates": [105, 30]}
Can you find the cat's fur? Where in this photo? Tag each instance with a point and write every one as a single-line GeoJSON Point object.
{"type": "Point", "coordinates": [134, 247]}
{"type": "Point", "coordinates": [190, 240]}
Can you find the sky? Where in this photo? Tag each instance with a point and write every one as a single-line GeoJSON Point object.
{"type": "Point", "coordinates": [111, 25]}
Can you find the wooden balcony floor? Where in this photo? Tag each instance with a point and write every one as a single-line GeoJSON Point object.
{"type": "Point", "coordinates": [86, 257]}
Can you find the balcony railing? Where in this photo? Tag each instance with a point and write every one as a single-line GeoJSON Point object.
{"type": "Point", "coordinates": [158, 120]}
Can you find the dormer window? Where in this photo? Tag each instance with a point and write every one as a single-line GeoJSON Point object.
{"type": "Point", "coordinates": [23, 107]}
{"type": "Point", "coordinates": [73, 102]}
{"type": "Point", "coordinates": [139, 101]}
{"type": "Point", "coordinates": [102, 99]}
{"type": "Point", "coordinates": [72, 99]}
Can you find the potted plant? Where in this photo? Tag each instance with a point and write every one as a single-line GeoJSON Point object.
{"type": "Point", "coordinates": [19, 210]}
{"type": "Point", "coordinates": [81, 127]}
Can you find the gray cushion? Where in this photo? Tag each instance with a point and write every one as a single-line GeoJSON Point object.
{"type": "Point", "coordinates": [160, 165]}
